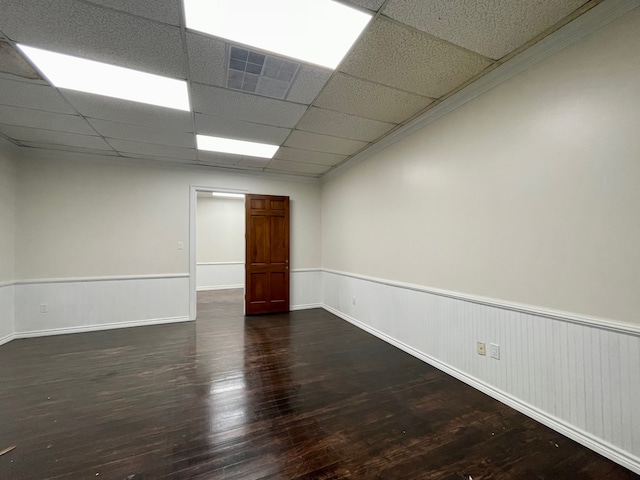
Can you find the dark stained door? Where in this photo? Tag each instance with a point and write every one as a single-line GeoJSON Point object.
{"type": "Point", "coordinates": [267, 254]}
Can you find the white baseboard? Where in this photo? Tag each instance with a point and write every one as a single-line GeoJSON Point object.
{"type": "Point", "coordinates": [99, 327]}
{"type": "Point", "coordinates": [7, 338]}
{"type": "Point", "coordinates": [219, 287]}
{"type": "Point", "coordinates": [309, 306]}
{"type": "Point", "coordinates": [582, 437]}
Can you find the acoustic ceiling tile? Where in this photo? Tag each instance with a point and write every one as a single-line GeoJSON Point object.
{"type": "Point", "coordinates": [244, 106]}
{"type": "Point", "coordinates": [308, 84]}
{"type": "Point", "coordinates": [151, 149]}
{"type": "Point", "coordinates": [159, 158]}
{"type": "Point", "coordinates": [206, 59]}
{"type": "Point", "coordinates": [308, 156]}
{"type": "Point", "coordinates": [489, 27]}
{"type": "Point", "coordinates": [330, 122]}
{"type": "Point", "coordinates": [230, 128]}
{"type": "Point", "coordinates": [296, 167]}
{"type": "Point", "coordinates": [90, 31]}
{"type": "Point", "coordinates": [165, 11]}
{"type": "Point", "coordinates": [13, 63]}
{"type": "Point", "coordinates": [49, 136]}
{"type": "Point", "coordinates": [373, 5]}
{"type": "Point", "coordinates": [105, 108]}
{"type": "Point", "coordinates": [218, 158]}
{"type": "Point", "coordinates": [32, 95]}
{"type": "Point", "coordinates": [24, 117]}
{"type": "Point", "coordinates": [69, 148]}
{"type": "Point", "coordinates": [426, 66]}
{"type": "Point", "coordinates": [323, 143]}
{"type": "Point", "coordinates": [140, 133]}
{"type": "Point", "coordinates": [254, 162]}
{"type": "Point", "coordinates": [370, 100]}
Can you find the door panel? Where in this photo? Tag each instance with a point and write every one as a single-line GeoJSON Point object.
{"type": "Point", "coordinates": [267, 254]}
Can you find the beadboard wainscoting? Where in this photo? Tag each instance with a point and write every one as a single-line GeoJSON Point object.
{"type": "Point", "coordinates": [579, 376]}
{"type": "Point", "coordinates": [219, 275]}
{"type": "Point", "coordinates": [306, 289]}
{"type": "Point", "coordinates": [6, 312]}
{"type": "Point", "coordinates": [57, 306]}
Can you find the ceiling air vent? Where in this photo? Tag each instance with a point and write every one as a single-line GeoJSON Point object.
{"type": "Point", "coordinates": [259, 73]}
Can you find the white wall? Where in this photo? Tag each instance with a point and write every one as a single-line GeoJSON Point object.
{"type": "Point", "coordinates": [7, 240]}
{"type": "Point", "coordinates": [220, 243]}
{"type": "Point", "coordinates": [527, 194]}
{"type": "Point", "coordinates": [512, 220]}
{"type": "Point", "coordinates": [89, 220]}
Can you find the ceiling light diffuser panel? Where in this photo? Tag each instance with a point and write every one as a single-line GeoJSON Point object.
{"type": "Point", "coordinates": [235, 147]}
{"type": "Point", "coordinates": [320, 32]}
{"type": "Point", "coordinates": [65, 71]}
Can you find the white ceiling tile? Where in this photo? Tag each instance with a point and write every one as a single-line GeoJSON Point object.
{"type": "Point", "coordinates": [34, 96]}
{"type": "Point", "coordinates": [158, 158]}
{"type": "Point", "coordinates": [13, 63]}
{"type": "Point", "coordinates": [140, 133]}
{"type": "Point", "coordinates": [323, 143]}
{"type": "Point", "coordinates": [69, 148]}
{"type": "Point", "coordinates": [254, 162]}
{"type": "Point", "coordinates": [105, 108]}
{"type": "Point", "coordinates": [24, 117]}
{"type": "Point", "coordinates": [153, 149]}
{"type": "Point", "coordinates": [218, 158]}
{"type": "Point", "coordinates": [370, 100]}
{"type": "Point", "coordinates": [296, 167]}
{"type": "Point", "coordinates": [308, 156]}
{"type": "Point", "coordinates": [338, 124]}
{"type": "Point", "coordinates": [373, 5]}
{"type": "Point", "coordinates": [230, 128]}
{"type": "Point", "coordinates": [244, 106]}
{"type": "Point", "coordinates": [165, 11]}
{"type": "Point", "coordinates": [50, 136]}
{"type": "Point", "coordinates": [308, 84]}
{"type": "Point", "coordinates": [206, 59]}
{"type": "Point", "coordinates": [426, 65]}
{"type": "Point", "coordinates": [490, 27]}
{"type": "Point", "coordinates": [90, 31]}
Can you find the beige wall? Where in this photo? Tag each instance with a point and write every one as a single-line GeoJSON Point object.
{"type": "Point", "coordinates": [220, 236]}
{"type": "Point", "coordinates": [78, 218]}
{"type": "Point", "coordinates": [530, 194]}
{"type": "Point", "coordinates": [7, 214]}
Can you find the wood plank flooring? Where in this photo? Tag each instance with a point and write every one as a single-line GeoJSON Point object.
{"type": "Point", "coordinates": [297, 396]}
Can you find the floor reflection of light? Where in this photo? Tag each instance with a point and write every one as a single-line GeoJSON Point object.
{"type": "Point", "coordinates": [228, 405]}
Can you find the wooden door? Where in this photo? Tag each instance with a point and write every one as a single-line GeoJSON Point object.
{"type": "Point", "coordinates": [267, 254]}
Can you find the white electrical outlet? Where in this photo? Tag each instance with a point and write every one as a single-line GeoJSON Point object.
{"type": "Point", "coordinates": [180, 245]}
{"type": "Point", "coordinates": [44, 308]}
{"type": "Point", "coordinates": [494, 351]}
{"type": "Point", "coordinates": [353, 300]}
{"type": "Point", "coordinates": [482, 348]}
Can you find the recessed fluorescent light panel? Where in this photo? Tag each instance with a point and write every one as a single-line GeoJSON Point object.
{"type": "Point", "coordinates": [236, 147]}
{"type": "Point", "coordinates": [313, 31]}
{"type": "Point", "coordinates": [83, 75]}
{"type": "Point", "coordinates": [227, 195]}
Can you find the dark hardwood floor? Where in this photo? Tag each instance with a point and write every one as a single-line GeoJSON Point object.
{"type": "Point", "coordinates": [297, 396]}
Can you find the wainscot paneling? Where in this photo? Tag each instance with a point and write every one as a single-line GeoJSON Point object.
{"type": "Point", "coordinates": [580, 376]}
{"type": "Point", "coordinates": [219, 275]}
{"type": "Point", "coordinates": [56, 306]}
{"type": "Point", "coordinates": [306, 289]}
{"type": "Point", "coordinates": [6, 312]}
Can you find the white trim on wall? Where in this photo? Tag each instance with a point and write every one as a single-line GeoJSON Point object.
{"type": "Point", "coordinates": [7, 312]}
{"type": "Point", "coordinates": [219, 275]}
{"type": "Point", "coordinates": [578, 377]}
{"type": "Point", "coordinates": [98, 303]}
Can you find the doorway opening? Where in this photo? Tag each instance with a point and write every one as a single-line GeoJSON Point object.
{"type": "Point", "coordinates": [217, 246]}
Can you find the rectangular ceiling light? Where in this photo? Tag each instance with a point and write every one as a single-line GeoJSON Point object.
{"type": "Point", "coordinates": [236, 147]}
{"type": "Point", "coordinates": [313, 31]}
{"type": "Point", "coordinates": [89, 76]}
{"type": "Point", "coordinates": [227, 195]}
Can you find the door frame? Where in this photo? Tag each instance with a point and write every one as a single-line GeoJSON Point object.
{"type": "Point", "coordinates": [193, 220]}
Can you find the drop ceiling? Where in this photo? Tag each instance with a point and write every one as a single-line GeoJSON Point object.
{"type": "Point", "coordinates": [412, 55]}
